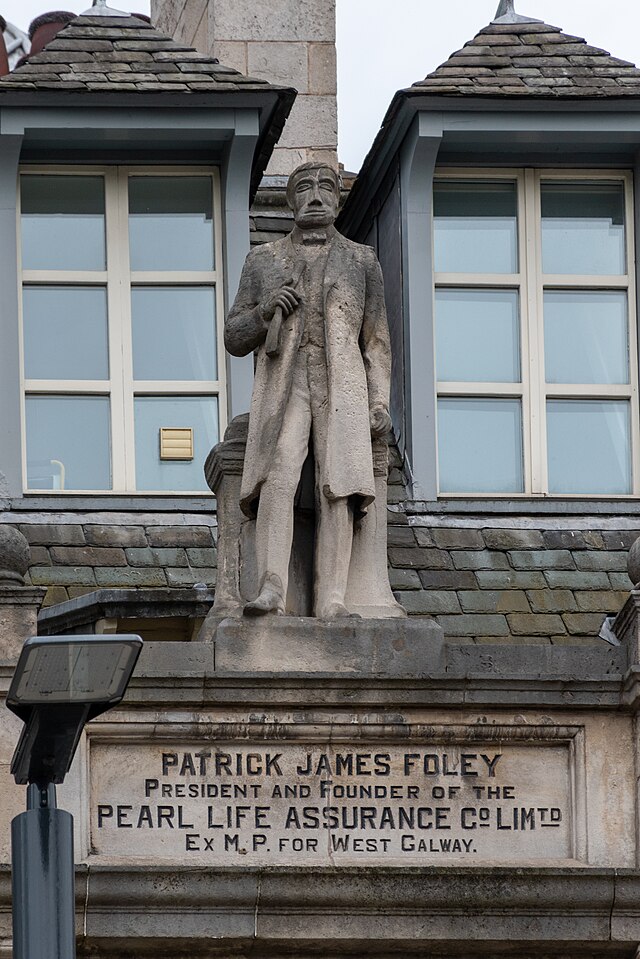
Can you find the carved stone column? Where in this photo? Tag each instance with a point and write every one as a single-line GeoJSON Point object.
{"type": "Point", "coordinates": [19, 604]}
{"type": "Point", "coordinates": [624, 629]}
{"type": "Point", "coordinates": [223, 472]}
{"type": "Point", "coordinates": [237, 576]}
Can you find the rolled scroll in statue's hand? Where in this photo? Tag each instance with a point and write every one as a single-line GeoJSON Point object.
{"type": "Point", "coordinates": [290, 297]}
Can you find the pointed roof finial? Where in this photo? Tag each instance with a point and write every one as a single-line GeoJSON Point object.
{"type": "Point", "coordinates": [100, 9]}
{"type": "Point", "coordinates": [506, 14]}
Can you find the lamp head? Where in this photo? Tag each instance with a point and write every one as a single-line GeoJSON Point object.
{"type": "Point", "coordinates": [61, 683]}
{"type": "Point", "coordinates": [67, 670]}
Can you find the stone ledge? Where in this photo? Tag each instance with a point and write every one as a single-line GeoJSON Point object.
{"type": "Point", "coordinates": [428, 672]}
{"type": "Point", "coordinates": [177, 909]}
{"type": "Point", "coordinates": [447, 674]}
{"type": "Point", "coordinates": [412, 649]}
{"type": "Point", "coordinates": [181, 661]}
{"type": "Point", "coordinates": [86, 611]}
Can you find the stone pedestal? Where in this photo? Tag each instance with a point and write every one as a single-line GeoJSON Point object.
{"type": "Point", "coordinates": [294, 646]}
{"type": "Point", "coordinates": [223, 472]}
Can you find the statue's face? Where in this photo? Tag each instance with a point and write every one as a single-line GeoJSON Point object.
{"type": "Point", "coordinates": [314, 198]}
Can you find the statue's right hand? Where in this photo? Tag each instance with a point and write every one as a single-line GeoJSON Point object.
{"type": "Point", "coordinates": [286, 298]}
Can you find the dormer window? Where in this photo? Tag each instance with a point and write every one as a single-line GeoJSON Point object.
{"type": "Point", "coordinates": [536, 353]}
{"type": "Point", "coordinates": [121, 307]}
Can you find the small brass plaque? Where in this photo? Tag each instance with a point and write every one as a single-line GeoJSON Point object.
{"type": "Point", "coordinates": [176, 444]}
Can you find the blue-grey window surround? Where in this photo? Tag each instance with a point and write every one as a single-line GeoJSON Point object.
{"type": "Point", "coordinates": [593, 139]}
{"type": "Point", "coordinates": [557, 239]}
{"type": "Point", "coordinates": [227, 138]}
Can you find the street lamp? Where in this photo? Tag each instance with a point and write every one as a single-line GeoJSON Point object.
{"type": "Point", "coordinates": [60, 684]}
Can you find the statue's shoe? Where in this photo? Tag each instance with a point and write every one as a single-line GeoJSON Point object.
{"type": "Point", "coordinates": [338, 611]}
{"type": "Point", "coordinates": [269, 601]}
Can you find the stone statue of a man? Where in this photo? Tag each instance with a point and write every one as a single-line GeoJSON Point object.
{"type": "Point", "coordinates": [312, 305]}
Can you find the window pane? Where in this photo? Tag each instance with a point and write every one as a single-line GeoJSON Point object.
{"type": "Point", "coordinates": [68, 443]}
{"type": "Point", "coordinates": [65, 333]}
{"type": "Point", "coordinates": [477, 336]}
{"type": "Point", "coordinates": [179, 412]}
{"type": "Point", "coordinates": [480, 446]}
{"type": "Point", "coordinates": [586, 337]}
{"type": "Point", "coordinates": [62, 223]}
{"type": "Point", "coordinates": [583, 228]}
{"type": "Point", "coordinates": [589, 446]}
{"type": "Point", "coordinates": [174, 333]}
{"type": "Point", "coordinates": [171, 223]}
{"type": "Point", "coordinates": [475, 227]}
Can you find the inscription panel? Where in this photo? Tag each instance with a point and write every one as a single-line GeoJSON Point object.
{"type": "Point", "coordinates": [293, 804]}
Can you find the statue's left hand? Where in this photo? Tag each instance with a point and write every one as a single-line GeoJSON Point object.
{"type": "Point", "coordinates": [380, 421]}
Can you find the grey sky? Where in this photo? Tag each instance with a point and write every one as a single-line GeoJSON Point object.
{"type": "Point", "coordinates": [384, 45]}
{"type": "Point", "coordinates": [22, 12]}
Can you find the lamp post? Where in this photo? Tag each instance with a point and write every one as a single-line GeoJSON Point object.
{"type": "Point", "coordinates": [60, 684]}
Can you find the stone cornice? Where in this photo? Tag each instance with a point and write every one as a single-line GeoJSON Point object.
{"type": "Point", "coordinates": [182, 910]}
{"type": "Point", "coordinates": [22, 595]}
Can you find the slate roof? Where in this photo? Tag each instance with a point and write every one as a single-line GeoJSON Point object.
{"type": "Point", "coordinates": [124, 54]}
{"type": "Point", "coordinates": [108, 61]}
{"type": "Point", "coordinates": [530, 59]}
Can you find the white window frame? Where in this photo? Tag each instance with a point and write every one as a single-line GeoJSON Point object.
{"type": "Point", "coordinates": [531, 284]}
{"type": "Point", "coordinates": [118, 281]}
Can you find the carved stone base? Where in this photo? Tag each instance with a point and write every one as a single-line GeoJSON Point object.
{"type": "Point", "coordinates": [368, 591]}
{"type": "Point", "coordinates": [273, 645]}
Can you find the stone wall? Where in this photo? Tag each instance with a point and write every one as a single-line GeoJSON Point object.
{"type": "Point", "coordinates": [287, 42]}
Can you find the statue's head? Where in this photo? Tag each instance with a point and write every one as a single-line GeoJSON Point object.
{"type": "Point", "coordinates": [313, 193]}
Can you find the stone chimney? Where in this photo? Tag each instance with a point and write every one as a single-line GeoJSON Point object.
{"type": "Point", "coordinates": [46, 27]}
{"type": "Point", "coordinates": [288, 42]}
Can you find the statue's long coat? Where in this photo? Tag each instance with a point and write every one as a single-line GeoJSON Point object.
{"type": "Point", "coordinates": [358, 363]}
